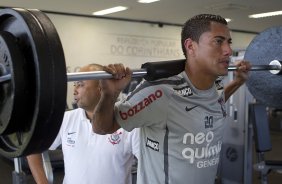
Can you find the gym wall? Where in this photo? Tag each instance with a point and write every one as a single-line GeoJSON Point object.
{"type": "Point", "coordinates": [104, 41]}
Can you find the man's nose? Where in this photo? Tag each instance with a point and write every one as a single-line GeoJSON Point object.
{"type": "Point", "coordinates": [227, 51]}
{"type": "Point", "coordinates": [75, 90]}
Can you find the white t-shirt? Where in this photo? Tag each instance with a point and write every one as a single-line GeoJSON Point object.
{"type": "Point", "coordinates": [92, 158]}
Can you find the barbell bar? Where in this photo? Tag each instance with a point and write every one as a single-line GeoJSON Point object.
{"type": "Point", "coordinates": [274, 67]}
{"type": "Point", "coordinates": [77, 76]}
{"type": "Point", "coordinates": [6, 77]}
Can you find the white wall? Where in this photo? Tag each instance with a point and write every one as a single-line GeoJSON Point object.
{"type": "Point", "coordinates": [89, 40]}
{"type": "Point", "coordinates": [240, 41]}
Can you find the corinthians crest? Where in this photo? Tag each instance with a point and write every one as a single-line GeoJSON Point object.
{"type": "Point", "coordinates": [115, 138]}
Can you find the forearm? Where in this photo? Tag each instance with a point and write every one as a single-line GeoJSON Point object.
{"type": "Point", "coordinates": [104, 119]}
{"type": "Point", "coordinates": [231, 88]}
{"type": "Point", "coordinates": [240, 77]}
{"type": "Point", "coordinates": [35, 163]}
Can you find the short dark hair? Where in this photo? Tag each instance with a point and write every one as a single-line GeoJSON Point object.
{"type": "Point", "coordinates": [197, 25]}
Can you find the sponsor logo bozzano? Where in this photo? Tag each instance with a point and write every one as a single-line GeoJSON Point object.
{"type": "Point", "coordinates": [141, 105]}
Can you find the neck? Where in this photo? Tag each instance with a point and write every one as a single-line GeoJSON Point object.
{"type": "Point", "coordinates": [200, 79]}
{"type": "Point", "coordinates": [89, 115]}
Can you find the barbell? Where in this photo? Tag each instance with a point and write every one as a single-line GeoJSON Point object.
{"type": "Point", "coordinates": [34, 81]}
{"type": "Point", "coordinates": [155, 70]}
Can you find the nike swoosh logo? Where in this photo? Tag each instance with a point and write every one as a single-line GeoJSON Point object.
{"type": "Point", "coordinates": [71, 133]}
{"type": "Point", "coordinates": [189, 109]}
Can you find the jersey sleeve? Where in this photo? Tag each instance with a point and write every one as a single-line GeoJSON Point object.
{"type": "Point", "coordinates": [58, 140]}
{"type": "Point", "coordinates": [145, 106]}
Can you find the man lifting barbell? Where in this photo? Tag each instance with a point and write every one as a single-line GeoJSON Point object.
{"type": "Point", "coordinates": [33, 88]}
{"type": "Point", "coordinates": [181, 117]}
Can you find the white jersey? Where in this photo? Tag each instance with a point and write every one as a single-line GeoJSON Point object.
{"type": "Point", "coordinates": [181, 134]}
{"type": "Point", "coordinates": [91, 158]}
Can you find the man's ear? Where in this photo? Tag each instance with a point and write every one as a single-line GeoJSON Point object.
{"type": "Point", "coordinates": [189, 46]}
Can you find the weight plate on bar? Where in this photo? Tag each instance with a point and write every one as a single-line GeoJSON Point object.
{"type": "Point", "coordinates": [56, 76]}
{"type": "Point", "coordinates": [263, 85]}
{"type": "Point", "coordinates": [13, 97]}
{"type": "Point", "coordinates": [47, 83]}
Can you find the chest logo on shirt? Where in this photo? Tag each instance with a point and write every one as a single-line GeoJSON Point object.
{"type": "Point", "coordinates": [208, 121]}
{"type": "Point", "coordinates": [190, 108]}
{"type": "Point", "coordinates": [184, 91]}
{"type": "Point", "coordinates": [115, 138]}
{"type": "Point", "coordinates": [154, 145]}
{"type": "Point", "coordinates": [201, 149]}
{"type": "Point", "coordinates": [71, 139]}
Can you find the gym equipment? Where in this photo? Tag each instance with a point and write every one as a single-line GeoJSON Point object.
{"type": "Point", "coordinates": [265, 87]}
{"type": "Point", "coordinates": [33, 80]}
{"type": "Point", "coordinates": [259, 119]}
{"type": "Point", "coordinates": [156, 70]}
{"type": "Point", "coordinates": [34, 100]}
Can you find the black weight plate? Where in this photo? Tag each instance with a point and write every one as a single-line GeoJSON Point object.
{"type": "Point", "coordinates": [58, 81]}
{"type": "Point", "coordinates": [13, 97]}
{"type": "Point", "coordinates": [47, 82]}
{"type": "Point", "coordinates": [263, 85]}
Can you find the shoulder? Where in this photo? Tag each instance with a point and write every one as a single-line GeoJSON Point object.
{"type": "Point", "coordinates": [73, 115]}
{"type": "Point", "coordinates": [170, 81]}
{"type": "Point", "coordinates": [74, 112]}
{"type": "Point", "coordinates": [73, 120]}
{"type": "Point", "coordinates": [134, 133]}
{"type": "Point", "coordinates": [166, 85]}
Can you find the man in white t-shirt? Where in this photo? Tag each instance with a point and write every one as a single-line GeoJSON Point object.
{"type": "Point", "coordinates": [89, 157]}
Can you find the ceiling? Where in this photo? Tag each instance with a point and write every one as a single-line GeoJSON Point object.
{"type": "Point", "coordinates": [166, 11]}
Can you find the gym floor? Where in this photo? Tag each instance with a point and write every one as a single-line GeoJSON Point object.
{"type": "Point", "coordinates": [7, 166]}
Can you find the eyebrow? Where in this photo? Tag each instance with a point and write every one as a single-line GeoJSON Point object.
{"type": "Point", "coordinates": [78, 82]}
{"type": "Point", "coordinates": [223, 38]}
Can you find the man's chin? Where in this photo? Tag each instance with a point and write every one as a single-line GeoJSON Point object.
{"type": "Point", "coordinates": [223, 72]}
{"type": "Point", "coordinates": [79, 105]}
